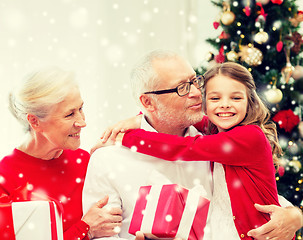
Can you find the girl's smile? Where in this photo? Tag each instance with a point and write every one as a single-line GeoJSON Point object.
{"type": "Point", "coordinates": [226, 102]}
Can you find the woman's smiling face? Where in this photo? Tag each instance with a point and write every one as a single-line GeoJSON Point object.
{"type": "Point", "coordinates": [62, 127]}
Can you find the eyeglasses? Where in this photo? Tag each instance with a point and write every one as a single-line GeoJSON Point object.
{"type": "Point", "coordinates": [183, 88]}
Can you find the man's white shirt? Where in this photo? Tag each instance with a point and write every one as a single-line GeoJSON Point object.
{"type": "Point", "coordinates": [119, 172]}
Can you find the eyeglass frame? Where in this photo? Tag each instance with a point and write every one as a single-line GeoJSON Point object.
{"type": "Point", "coordinates": [176, 88]}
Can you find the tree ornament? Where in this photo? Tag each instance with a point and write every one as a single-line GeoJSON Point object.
{"type": "Point", "coordinates": [251, 55]}
{"type": "Point", "coordinates": [220, 58]}
{"type": "Point", "coordinates": [296, 38]}
{"type": "Point", "coordinates": [279, 2]}
{"type": "Point", "coordinates": [228, 16]}
{"type": "Point", "coordinates": [262, 15]}
{"type": "Point", "coordinates": [216, 24]}
{"type": "Point", "coordinates": [279, 46]}
{"type": "Point", "coordinates": [283, 161]}
{"type": "Point", "coordinates": [263, 2]}
{"type": "Point", "coordinates": [232, 56]}
{"type": "Point", "coordinates": [224, 35]}
{"type": "Point", "coordinates": [293, 148]}
{"type": "Point", "coordinates": [287, 71]}
{"type": "Point", "coordinates": [209, 56]}
{"type": "Point", "coordinates": [247, 9]}
{"type": "Point", "coordinates": [274, 95]}
{"type": "Point", "coordinates": [281, 171]}
{"type": "Point", "coordinates": [297, 72]}
{"type": "Point", "coordinates": [295, 163]}
{"type": "Point", "coordinates": [295, 21]}
{"type": "Point", "coordinates": [261, 37]}
{"type": "Point", "coordinates": [286, 119]}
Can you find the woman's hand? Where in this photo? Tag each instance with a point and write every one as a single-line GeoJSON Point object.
{"type": "Point", "coordinates": [111, 135]}
{"type": "Point", "coordinates": [103, 222]}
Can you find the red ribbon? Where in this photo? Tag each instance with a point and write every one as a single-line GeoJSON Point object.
{"type": "Point", "coordinates": [19, 194]}
{"type": "Point", "coordinates": [53, 221]}
{"type": "Point", "coordinates": [6, 222]}
{"type": "Point", "coordinates": [22, 194]}
{"type": "Point", "coordinates": [262, 12]}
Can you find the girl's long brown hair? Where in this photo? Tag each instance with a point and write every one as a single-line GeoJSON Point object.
{"type": "Point", "coordinates": [257, 113]}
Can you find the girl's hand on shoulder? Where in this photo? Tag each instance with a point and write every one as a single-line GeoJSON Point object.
{"type": "Point", "coordinates": [109, 136]}
{"type": "Point", "coordinates": [100, 143]}
{"type": "Point", "coordinates": [111, 132]}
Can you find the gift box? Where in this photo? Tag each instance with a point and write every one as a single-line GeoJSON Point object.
{"type": "Point", "coordinates": [170, 211]}
{"type": "Point", "coordinates": [30, 220]}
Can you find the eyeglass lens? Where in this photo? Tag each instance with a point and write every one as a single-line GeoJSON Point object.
{"type": "Point", "coordinates": [184, 88]}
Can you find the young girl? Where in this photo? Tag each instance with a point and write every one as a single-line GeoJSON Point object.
{"type": "Point", "coordinates": [244, 149]}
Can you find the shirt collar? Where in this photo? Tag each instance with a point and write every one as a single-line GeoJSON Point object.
{"type": "Point", "coordinates": [191, 130]}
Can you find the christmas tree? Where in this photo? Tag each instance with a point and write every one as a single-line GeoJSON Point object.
{"type": "Point", "coordinates": [263, 36]}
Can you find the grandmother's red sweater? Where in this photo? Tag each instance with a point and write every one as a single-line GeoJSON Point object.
{"type": "Point", "coordinates": [61, 178]}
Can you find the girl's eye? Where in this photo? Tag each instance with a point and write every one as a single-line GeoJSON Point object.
{"type": "Point", "coordinates": [237, 98]}
{"type": "Point", "coordinates": [214, 98]}
{"type": "Point", "coordinates": [69, 115]}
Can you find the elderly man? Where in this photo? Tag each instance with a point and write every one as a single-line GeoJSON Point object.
{"type": "Point", "coordinates": [119, 172]}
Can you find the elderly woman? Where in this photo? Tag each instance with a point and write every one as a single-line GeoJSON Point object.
{"type": "Point", "coordinates": [50, 107]}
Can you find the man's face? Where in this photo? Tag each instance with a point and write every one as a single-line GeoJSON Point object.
{"type": "Point", "coordinates": [171, 109]}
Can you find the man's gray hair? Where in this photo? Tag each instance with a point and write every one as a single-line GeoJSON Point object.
{"type": "Point", "coordinates": [144, 78]}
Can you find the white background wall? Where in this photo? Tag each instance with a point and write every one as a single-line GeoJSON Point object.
{"type": "Point", "coordinates": [100, 40]}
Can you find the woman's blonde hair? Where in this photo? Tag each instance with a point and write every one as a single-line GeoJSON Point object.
{"type": "Point", "coordinates": [39, 93]}
{"type": "Point", "coordinates": [257, 113]}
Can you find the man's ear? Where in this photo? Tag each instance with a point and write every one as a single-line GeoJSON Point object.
{"type": "Point", "coordinates": [147, 102]}
{"type": "Point", "coordinates": [34, 122]}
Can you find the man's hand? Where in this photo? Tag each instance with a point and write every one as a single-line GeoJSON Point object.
{"type": "Point", "coordinates": [283, 224]}
{"type": "Point", "coordinates": [139, 236]}
{"type": "Point", "coordinates": [103, 222]}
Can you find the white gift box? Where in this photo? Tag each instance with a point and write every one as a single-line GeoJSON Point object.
{"type": "Point", "coordinates": [32, 220]}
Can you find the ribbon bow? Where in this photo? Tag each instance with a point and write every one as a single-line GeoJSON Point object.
{"type": "Point", "coordinates": [23, 193]}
